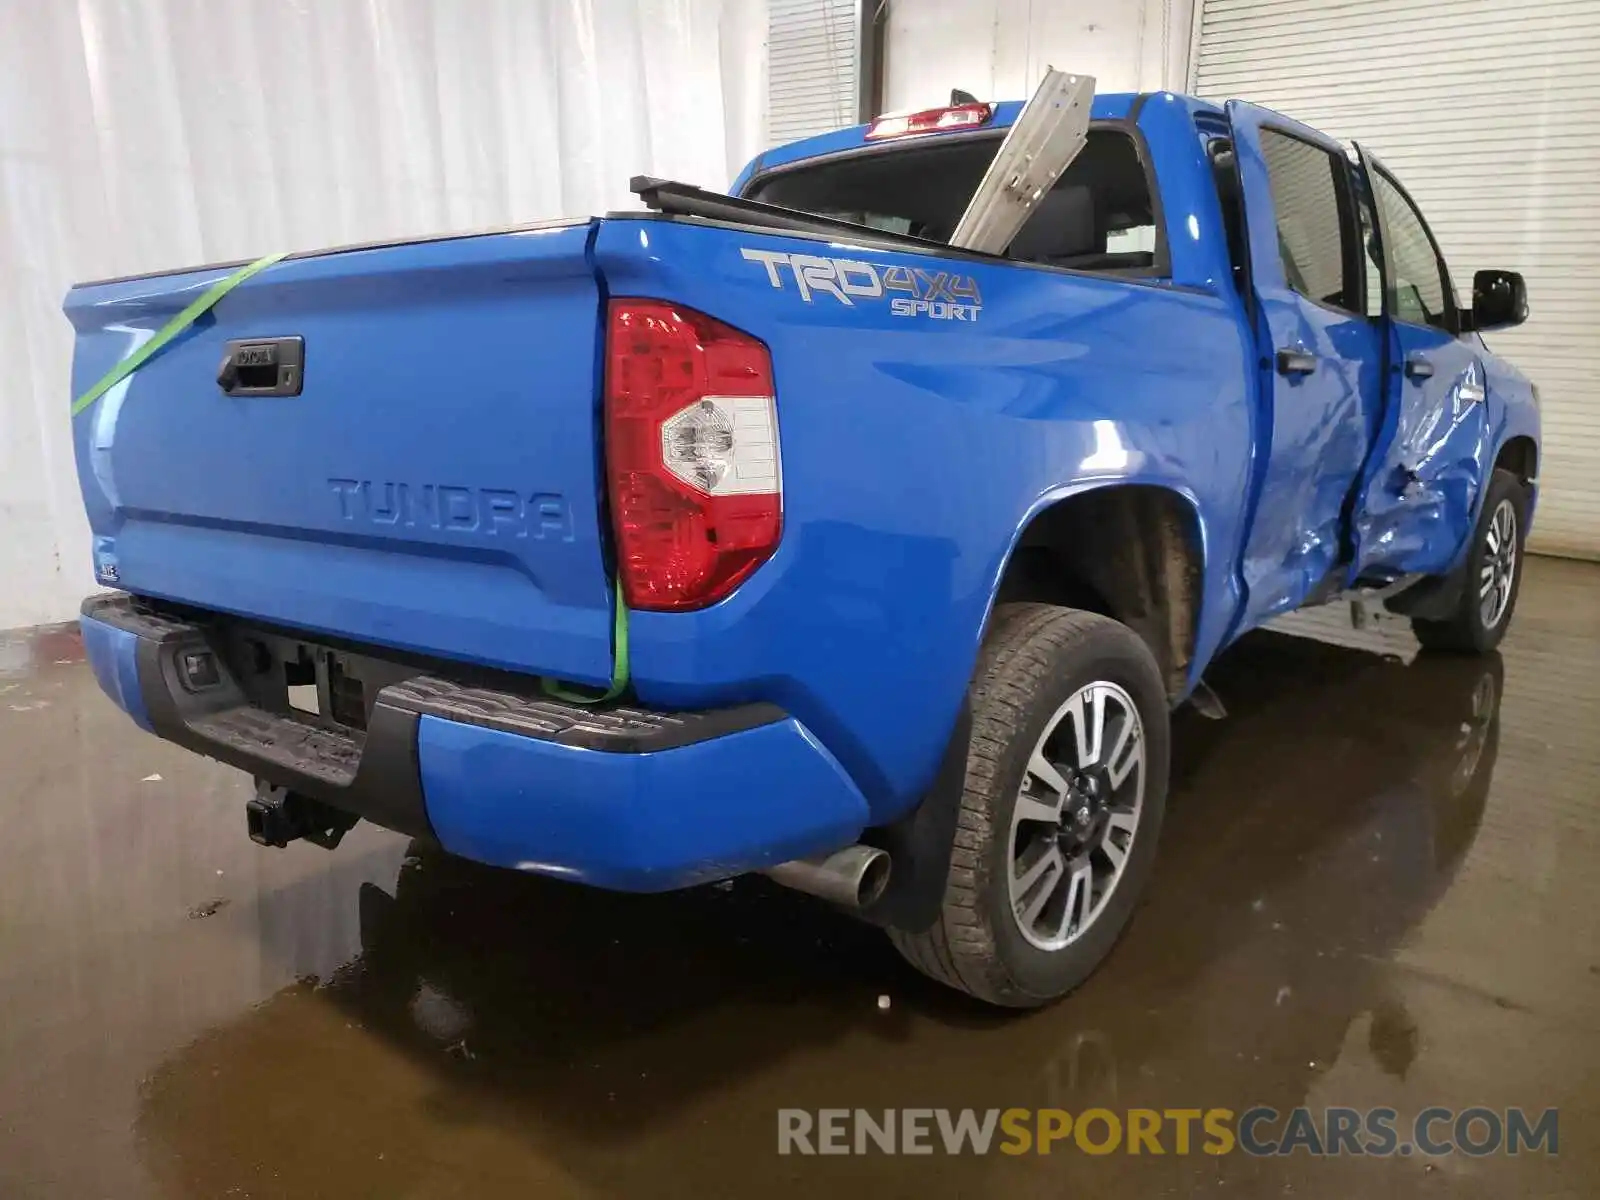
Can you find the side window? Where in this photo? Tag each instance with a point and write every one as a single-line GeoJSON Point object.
{"type": "Point", "coordinates": [1225, 177]}
{"type": "Point", "coordinates": [1369, 253]}
{"type": "Point", "coordinates": [1416, 275]}
{"type": "Point", "coordinates": [1310, 197]}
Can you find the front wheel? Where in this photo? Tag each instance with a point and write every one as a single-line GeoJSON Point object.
{"type": "Point", "coordinates": [1493, 574]}
{"type": "Point", "coordinates": [1065, 789]}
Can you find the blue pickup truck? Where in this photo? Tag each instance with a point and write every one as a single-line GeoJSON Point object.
{"type": "Point", "coordinates": [773, 532]}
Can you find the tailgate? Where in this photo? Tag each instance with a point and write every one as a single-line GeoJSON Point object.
{"type": "Point", "coordinates": [434, 485]}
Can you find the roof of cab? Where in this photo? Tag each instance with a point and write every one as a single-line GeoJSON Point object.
{"type": "Point", "coordinates": [1111, 106]}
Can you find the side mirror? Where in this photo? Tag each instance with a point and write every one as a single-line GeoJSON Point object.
{"type": "Point", "coordinates": [1499, 300]}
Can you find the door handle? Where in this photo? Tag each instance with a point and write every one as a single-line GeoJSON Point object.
{"type": "Point", "coordinates": [1418, 367]}
{"type": "Point", "coordinates": [1296, 362]}
{"type": "Point", "coordinates": [262, 367]}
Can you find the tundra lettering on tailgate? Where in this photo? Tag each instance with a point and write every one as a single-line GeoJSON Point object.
{"type": "Point", "coordinates": [498, 512]}
{"type": "Point", "coordinates": [942, 295]}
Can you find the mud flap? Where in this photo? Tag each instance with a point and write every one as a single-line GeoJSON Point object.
{"type": "Point", "coordinates": [1435, 598]}
{"type": "Point", "coordinates": [919, 843]}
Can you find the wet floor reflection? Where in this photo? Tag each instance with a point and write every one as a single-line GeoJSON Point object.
{"type": "Point", "coordinates": [1376, 886]}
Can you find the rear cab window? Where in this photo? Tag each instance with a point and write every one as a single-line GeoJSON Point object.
{"type": "Point", "coordinates": [1101, 215]}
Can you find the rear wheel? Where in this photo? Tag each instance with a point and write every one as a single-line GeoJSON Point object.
{"type": "Point", "coordinates": [1064, 794]}
{"type": "Point", "coordinates": [1493, 575]}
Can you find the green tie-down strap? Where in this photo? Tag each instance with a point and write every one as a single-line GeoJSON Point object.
{"type": "Point", "coordinates": [170, 330]}
{"type": "Point", "coordinates": [619, 663]}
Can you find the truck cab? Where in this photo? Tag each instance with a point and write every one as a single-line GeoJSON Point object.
{"type": "Point", "coordinates": [1370, 369]}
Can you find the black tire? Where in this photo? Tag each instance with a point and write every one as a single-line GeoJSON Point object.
{"type": "Point", "coordinates": [1465, 631]}
{"type": "Point", "coordinates": [1035, 658]}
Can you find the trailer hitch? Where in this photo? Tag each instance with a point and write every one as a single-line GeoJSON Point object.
{"type": "Point", "coordinates": [277, 816]}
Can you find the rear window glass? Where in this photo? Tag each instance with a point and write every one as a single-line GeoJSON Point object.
{"type": "Point", "coordinates": [1100, 216]}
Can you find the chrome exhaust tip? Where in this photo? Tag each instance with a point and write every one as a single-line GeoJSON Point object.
{"type": "Point", "coordinates": [854, 877]}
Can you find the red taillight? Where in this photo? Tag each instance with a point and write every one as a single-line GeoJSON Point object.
{"type": "Point", "coordinates": [691, 454]}
{"type": "Point", "coordinates": [930, 120]}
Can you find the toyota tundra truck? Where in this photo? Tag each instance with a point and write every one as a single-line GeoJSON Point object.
{"type": "Point", "coordinates": [787, 531]}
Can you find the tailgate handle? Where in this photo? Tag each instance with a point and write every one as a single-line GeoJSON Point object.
{"type": "Point", "coordinates": [263, 367]}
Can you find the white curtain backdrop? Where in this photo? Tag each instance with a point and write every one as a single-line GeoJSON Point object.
{"type": "Point", "coordinates": [137, 135]}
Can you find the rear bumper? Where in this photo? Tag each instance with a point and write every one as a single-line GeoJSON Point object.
{"type": "Point", "coordinates": [623, 799]}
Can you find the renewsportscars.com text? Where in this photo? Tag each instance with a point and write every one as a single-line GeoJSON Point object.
{"type": "Point", "coordinates": [1258, 1131]}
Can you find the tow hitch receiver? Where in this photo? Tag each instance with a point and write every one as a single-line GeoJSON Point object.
{"type": "Point", "coordinates": [277, 816]}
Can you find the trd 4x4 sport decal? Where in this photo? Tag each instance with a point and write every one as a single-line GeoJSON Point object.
{"type": "Point", "coordinates": [942, 295]}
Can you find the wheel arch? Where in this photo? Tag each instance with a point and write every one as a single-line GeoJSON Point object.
{"type": "Point", "coordinates": [1072, 549]}
{"type": "Point", "coordinates": [1519, 454]}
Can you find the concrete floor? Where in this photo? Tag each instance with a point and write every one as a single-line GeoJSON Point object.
{"type": "Point", "coordinates": [1379, 884]}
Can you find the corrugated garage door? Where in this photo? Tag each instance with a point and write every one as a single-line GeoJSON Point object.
{"type": "Point", "coordinates": [812, 71]}
{"type": "Point", "coordinates": [1487, 113]}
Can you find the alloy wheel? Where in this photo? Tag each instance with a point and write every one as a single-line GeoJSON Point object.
{"type": "Point", "coordinates": [1076, 815]}
{"type": "Point", "coordinates": [1499, 570]}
